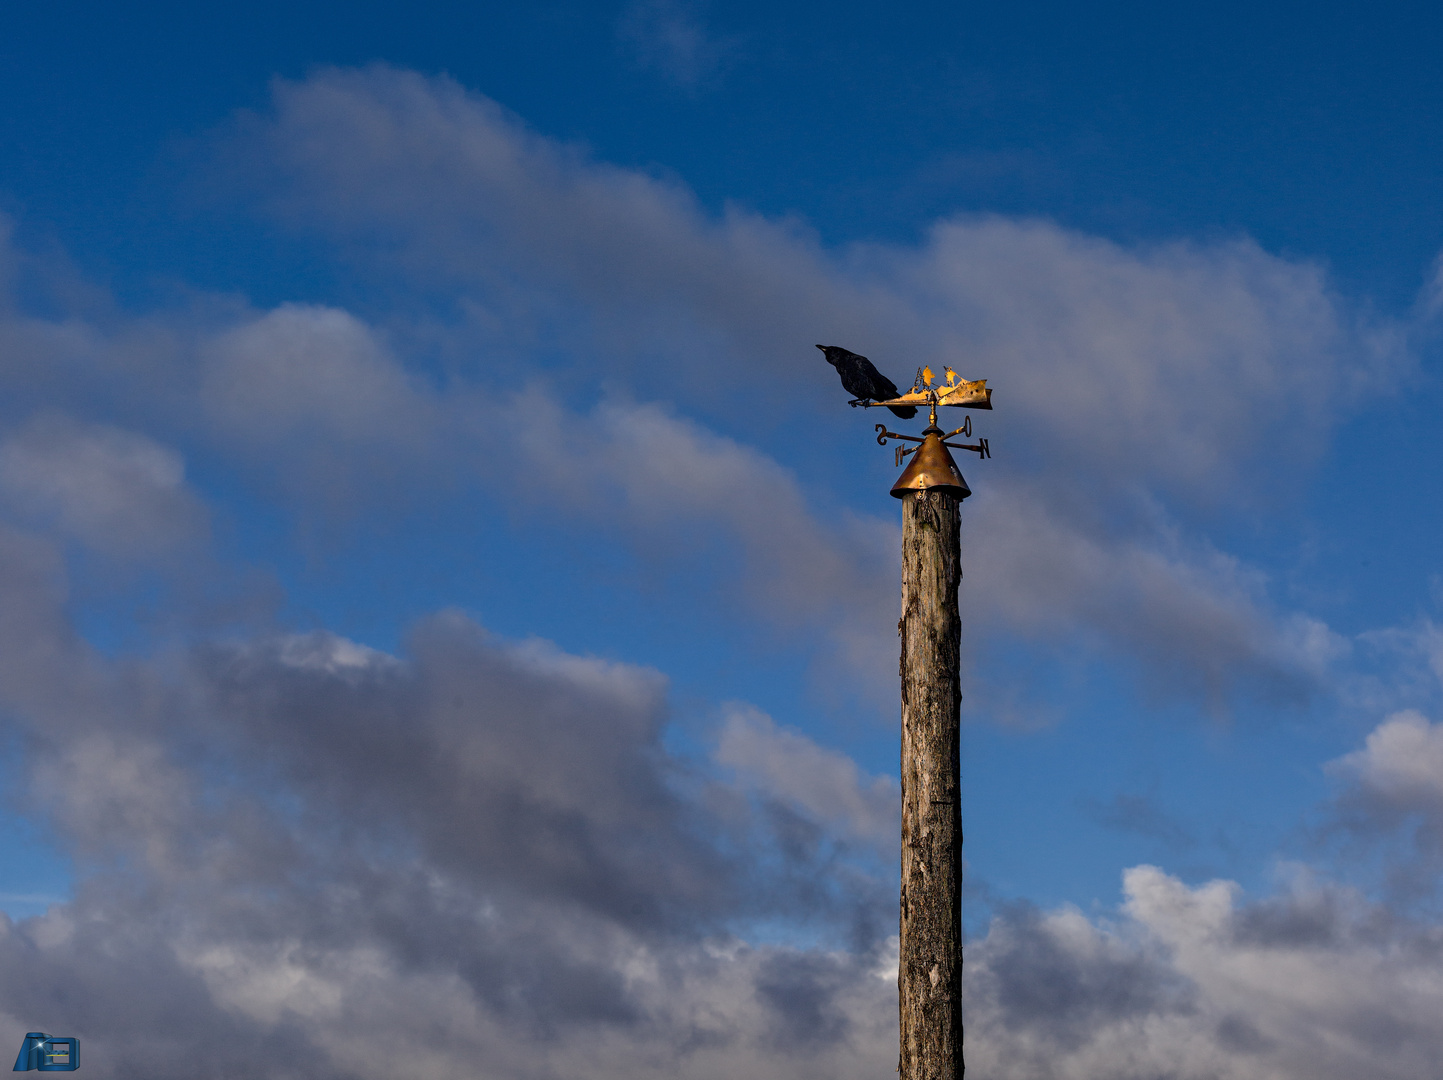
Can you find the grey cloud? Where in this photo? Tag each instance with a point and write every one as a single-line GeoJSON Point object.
{"type": "Point", "coordinates": [43, 663]}
{"type": "Point", "coordinates": [305, 852]}
{"type": "Point", "coordinates": [1311, 919]}
{"type": "Point", "coordinates": [70, 348]}
{"type": "Point", "coordinates": [804, 994]}
{"type": "Point", "coordinates": [1060, 990]}
{"type": "Point", "coordinates": [308, 856]}
{"type": "Point", "coordinates": [1196, 617]}
{"type": "Point", "coordinates": [1430, 300]}
{"type": "Point", "coordinates": [319, 401]}
{"type": "Point", "coordinates": [1239, 1036]}
{"type": "Point", "coordinates": [540, 766]}
{"type": "Point", "coordinates": [315, 393]}
{"type": "Point", "coordinates": [680, 493]}
{"type": "Point", "coordinates": [298, 368]}
{"type": "Point", "coordinates": [1141, 815]}
{"type": "Point", "coordinates": [792, 769]}
{"type": "Point", "coordinates": [116, 491]}
{"type": "Point", "coordinates": [671, 37]}
{"type": "Point", "coordinates": [1167, 367]}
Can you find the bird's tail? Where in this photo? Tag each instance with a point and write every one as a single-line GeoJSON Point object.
{"type": "Point", "coordinates": [906, 412]}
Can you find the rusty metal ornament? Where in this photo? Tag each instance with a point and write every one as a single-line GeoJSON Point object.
{"type": "Point", "coordinates": [932, 468]}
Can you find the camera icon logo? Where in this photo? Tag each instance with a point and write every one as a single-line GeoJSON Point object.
{"type": "Point", "coordinates": [48, 1053]}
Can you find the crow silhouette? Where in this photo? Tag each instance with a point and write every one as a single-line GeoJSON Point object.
{"type": "Point", "coordinates": [863, 381]}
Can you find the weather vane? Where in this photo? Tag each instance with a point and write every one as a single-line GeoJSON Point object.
{"type": "Point", "coordinates": [932, 466]}
{"type": "Point", "coordinates": [929, 924]}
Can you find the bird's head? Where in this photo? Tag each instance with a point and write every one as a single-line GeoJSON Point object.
{"type": "Point", "coordinates": [829, 351]}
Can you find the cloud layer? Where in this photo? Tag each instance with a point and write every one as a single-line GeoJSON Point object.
{"type": "Point", "coordinates": [1140, 390]}
{"type": "Point", "coordinates": [304, 852]}
{"type": "Point", "coordinates": [333, 862]}
{"type": "Point", "coordinates": [479, 855]}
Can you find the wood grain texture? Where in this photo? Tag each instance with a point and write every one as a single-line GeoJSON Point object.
{"type": "Point", "coordinates": [929, 976]}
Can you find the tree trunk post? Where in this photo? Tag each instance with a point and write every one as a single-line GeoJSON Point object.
{"type": "Point", "coordinates": [929, 975]}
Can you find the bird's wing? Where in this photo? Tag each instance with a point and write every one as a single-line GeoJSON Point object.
{"type": "Point", "coordinates": [855, 377]}
{"type": "Point", "coordinates": [883, 389]}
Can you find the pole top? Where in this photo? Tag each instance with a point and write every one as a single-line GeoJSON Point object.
{"type": "Point", "coordinates": [932, 467]}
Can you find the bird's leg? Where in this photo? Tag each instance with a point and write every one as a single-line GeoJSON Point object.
{"type": "Point", "coordinates": [858, 401]}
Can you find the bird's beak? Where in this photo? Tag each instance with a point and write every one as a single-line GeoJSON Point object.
{"type": "Point", "coordinates": [822, 347]}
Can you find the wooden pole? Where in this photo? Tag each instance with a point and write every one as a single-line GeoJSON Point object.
{"type": "Point", "coordinates": [929, 976]}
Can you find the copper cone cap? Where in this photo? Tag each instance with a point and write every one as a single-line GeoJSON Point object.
{"type": "Point", "coordinates": [932, 467]}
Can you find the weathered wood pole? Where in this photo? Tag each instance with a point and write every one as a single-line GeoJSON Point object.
{"type": "Point", "coordinates": [929, 976]}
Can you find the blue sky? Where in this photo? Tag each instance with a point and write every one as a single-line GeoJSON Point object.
{"type": "Point", "coordinates": [439, 566]}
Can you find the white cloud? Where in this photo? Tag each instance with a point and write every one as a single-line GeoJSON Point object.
{"type": "Point", "coordinates": [1193, 982]}
{"type": "Point", "coordinates": [330, 654]}
{"type": "Point", "coordinates": [1402, 761]}
{"type": "Point", "coordinates": [1391, 802]}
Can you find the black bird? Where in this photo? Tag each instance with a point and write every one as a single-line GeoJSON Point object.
{"type": "Point", "coordinates": [863, 381]}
